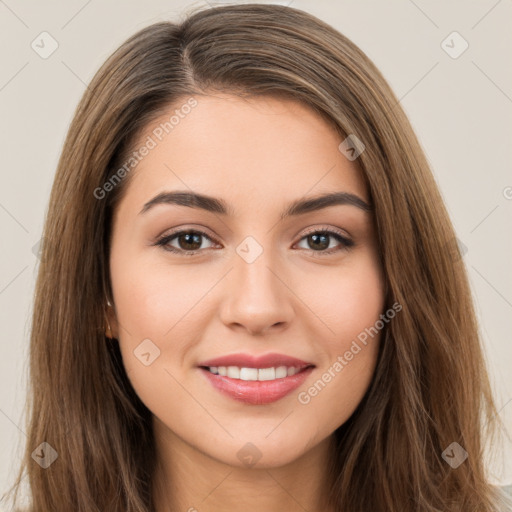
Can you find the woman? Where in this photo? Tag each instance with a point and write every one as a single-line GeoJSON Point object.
{"type": "Point", "coordinates": [319, 353]}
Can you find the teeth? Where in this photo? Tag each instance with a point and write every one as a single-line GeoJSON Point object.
{"type": "Point", "coordinates": [261, 374]}
{"type": "Point", "coordinates": [233, 372]}
{"type": "Point", "coordinates": [265, 373]}
{"type": "Point", "coordinates": [281, 372]}
{"type": "Point", "coordinates": [249, 374]}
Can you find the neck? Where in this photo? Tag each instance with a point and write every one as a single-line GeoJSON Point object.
{"type": "Point", "coordinates": [188, 480]}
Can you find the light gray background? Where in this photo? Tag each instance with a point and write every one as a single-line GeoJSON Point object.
{"type": "Point", "coordinates": [461, 109]}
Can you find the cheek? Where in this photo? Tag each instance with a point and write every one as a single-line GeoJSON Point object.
{"type": "Point", "coordinates": [347, 299]}
{"type": "Point", "coordinates": [153, 300]}
{"type": "Point", "coordinates": [157, 311]}
{"type": "Point", "coordinates": [350, 303]}
{"type": "Point", "coordinates": [162, 311]}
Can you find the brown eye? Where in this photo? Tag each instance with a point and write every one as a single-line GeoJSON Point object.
{"type": "Point", "coordinates": [188, 242]}
{"type": "Point", "coordinates": [319, 241]}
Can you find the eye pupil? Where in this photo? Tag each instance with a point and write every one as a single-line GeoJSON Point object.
{"type": "Point", "coordinates": [191, 239]}
{"type": "Point", "coordinates": [316, 238]}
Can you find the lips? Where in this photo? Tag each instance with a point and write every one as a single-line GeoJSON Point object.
{"type": "Point", "coordinates": [235, 376]}
{"type": "Point", "coordinates": [250, 361]}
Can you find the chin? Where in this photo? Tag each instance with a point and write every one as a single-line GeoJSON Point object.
{"type": "Point", "coordinates": [258, 452]}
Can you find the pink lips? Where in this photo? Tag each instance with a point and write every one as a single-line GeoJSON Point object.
{"type": "Point", "coordinates": [248, 361]}
{"type": "Point", "coordinates": [257, 392]}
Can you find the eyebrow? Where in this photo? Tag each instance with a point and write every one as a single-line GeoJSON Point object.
{"type": "Point", "coordinates": [215, 205]}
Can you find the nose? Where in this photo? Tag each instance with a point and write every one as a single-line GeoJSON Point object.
{"type": "Point", "coordinates": [257, 298]}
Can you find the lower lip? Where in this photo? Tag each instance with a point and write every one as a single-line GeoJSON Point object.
{"type": "Point", "coordinates": [257, 392]}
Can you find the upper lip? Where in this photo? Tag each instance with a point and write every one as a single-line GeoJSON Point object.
{"type": "Point", "coordinates": [272, 360]}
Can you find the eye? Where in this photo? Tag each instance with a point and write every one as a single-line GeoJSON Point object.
{"type": "Point", "coordinates": [320, 240]}
{"type": "Point", "coordinates": [188, 241]}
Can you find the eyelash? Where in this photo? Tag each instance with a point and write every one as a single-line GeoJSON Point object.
{"type": "Point", "coordinates": [164, 240]}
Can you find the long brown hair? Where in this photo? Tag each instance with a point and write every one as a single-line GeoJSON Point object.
{"type": "Point", "coordinates": [430, 388]}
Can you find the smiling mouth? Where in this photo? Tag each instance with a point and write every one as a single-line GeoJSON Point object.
{"type": "Point", "coordinates": [256, 386]}
{"type": "Point", "coordinates": [255, 374]}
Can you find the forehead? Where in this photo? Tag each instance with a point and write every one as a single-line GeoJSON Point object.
{"type": "Point", "coordinates": [250, 151]}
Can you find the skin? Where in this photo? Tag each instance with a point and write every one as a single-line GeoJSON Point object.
{"type": "Point", "coordinates": [258, 155]}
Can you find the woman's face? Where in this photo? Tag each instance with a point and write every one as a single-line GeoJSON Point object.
{"type": "Point", "coordinates": [298, 286]}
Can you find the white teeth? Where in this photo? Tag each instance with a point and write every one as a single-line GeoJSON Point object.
{"type": "Point", "coordinates": [266, 373]}
{"type": "Point", "coordinates": [261, 374]}
{"type": "Point", "coordinates": [249, 373]}
{"type": "Point", "coordinates": [292, 371]}
{"type": "Point", "coordinates": [233, 372]}
{"type": "Point", "coordinates": [281, 372]}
